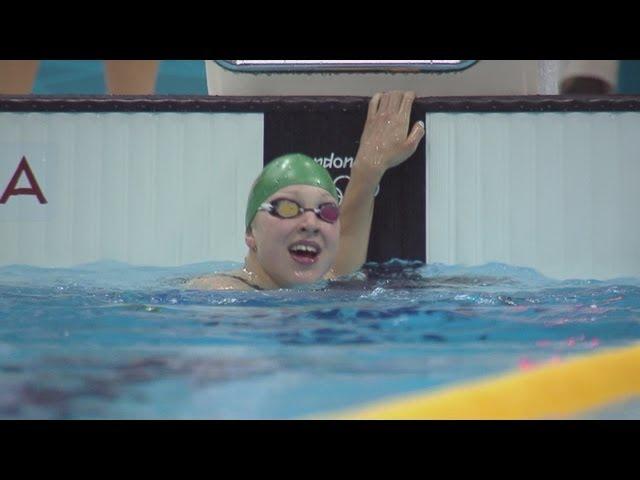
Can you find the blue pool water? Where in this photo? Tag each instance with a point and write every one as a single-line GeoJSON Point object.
{"type": "Point", "coordinates": [109, 340]}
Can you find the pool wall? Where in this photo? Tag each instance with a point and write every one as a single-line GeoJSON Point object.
{"type": "Point", "coordinates": [544, 182]}
{"type": "Point", "coordinates": [557, 191]}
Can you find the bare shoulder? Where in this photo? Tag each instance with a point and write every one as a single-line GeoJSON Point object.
{"type": "Point", "coordinates": [216, 282]}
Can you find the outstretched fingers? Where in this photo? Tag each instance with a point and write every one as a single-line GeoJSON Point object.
{"type": "Point", "coordinates": [395, 101]}
{"type": "Point", "coordinates": [407, 102]}
{"type": "Point", "coordinates": [416, 134]}
{"type": "Point", "coordinates": [374, 103]}
{"type": "Point", "coordinates": [384, 102]}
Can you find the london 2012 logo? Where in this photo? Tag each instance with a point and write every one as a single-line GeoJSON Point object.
{"type": "Point", "coordinates": [333, 163]}
{"type": "Point", "coordinates": [12, 188]}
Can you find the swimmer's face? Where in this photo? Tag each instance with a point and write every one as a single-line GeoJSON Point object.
{"type": "Point", "coordinates": [298, 250]}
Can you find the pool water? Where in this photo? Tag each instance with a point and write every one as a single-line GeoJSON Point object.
{"type": "Point", "coordinates": [110, 340]}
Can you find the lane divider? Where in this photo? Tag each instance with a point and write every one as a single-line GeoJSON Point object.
{"type": "Point", "coordinates": [550, 391]}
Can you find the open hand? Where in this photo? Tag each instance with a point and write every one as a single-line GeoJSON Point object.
{"type": "Point", "coordinates": [385, 141]}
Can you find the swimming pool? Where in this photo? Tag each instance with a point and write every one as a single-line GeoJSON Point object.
{"type": "Point", "coordinates": [110, 340]}
{"type": "Point", "coordinates": [163, 182]}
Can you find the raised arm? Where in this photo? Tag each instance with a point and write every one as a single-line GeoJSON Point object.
{"type": "Point", "coordinates": [385, 143]}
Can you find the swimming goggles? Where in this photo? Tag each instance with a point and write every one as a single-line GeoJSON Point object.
{"type": "Point", "coordinates": [285, 208]}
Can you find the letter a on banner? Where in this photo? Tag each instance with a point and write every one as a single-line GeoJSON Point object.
{"type": "Point", "coordinates": [23, 167]}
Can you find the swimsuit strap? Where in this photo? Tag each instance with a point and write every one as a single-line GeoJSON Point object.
{"type": "Point", "coordinates": [256, 287]}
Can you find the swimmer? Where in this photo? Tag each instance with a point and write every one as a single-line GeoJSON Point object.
{"type": "Point", "coordinates": [296, 232]}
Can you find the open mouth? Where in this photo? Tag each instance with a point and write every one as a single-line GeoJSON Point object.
{"type": "Point", "coordinates": [305, 252]}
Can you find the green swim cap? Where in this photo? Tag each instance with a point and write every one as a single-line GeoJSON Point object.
{"type": "Point", "coordinates": [290, 169]}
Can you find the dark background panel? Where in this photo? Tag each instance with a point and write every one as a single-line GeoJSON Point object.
{"type": "Point", "coordinates": [398, 229]}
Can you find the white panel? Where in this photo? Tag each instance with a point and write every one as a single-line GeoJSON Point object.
{"type": "Point", "coordinates": [142, 188]}
{"type": "Point", "coordinates": [557, 192]}
{"type": "Point", "coordinates": [550, 192]}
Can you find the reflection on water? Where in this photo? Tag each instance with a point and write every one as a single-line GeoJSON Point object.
{"type": "Point", "coordinates": [109, 340]}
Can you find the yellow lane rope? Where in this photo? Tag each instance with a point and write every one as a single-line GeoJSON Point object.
{"type": "Point", "coordinates": [557, 390]}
